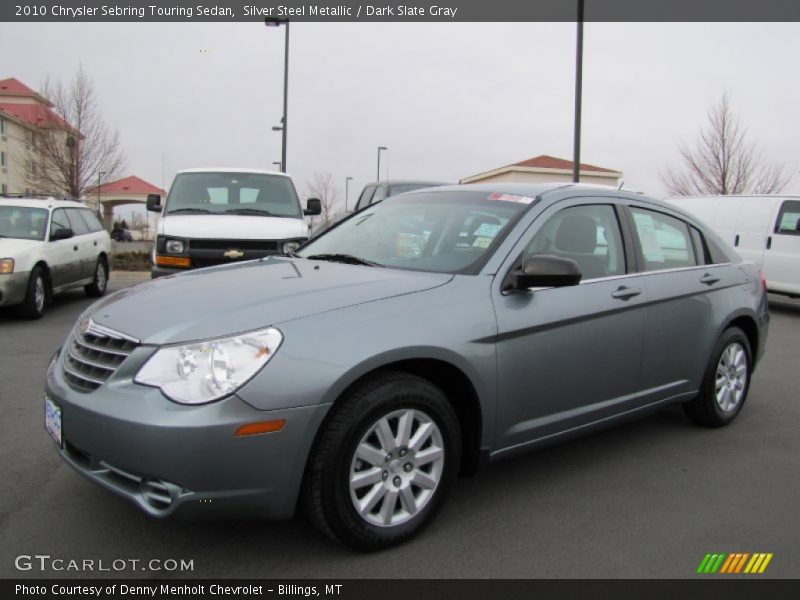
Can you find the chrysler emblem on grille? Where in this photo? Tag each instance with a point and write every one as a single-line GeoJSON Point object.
{"type": "Point", "coordinates": [233, 253]}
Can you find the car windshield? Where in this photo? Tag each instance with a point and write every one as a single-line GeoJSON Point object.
{"type": "Point", "coordinates": [233, 193]}
{"type": "Point", "coordinates": [22, 222]}
{"type": "Point", "coordinates": [443, 232]}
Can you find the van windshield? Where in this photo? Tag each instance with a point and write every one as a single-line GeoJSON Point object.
{"type": "Point", "coordinates": [258, 194]}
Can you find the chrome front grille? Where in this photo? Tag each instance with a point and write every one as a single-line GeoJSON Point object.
{"type": "Point", "coordinates": [92, 355]}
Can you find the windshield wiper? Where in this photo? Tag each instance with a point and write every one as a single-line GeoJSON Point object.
{"type": "Point", "coordinates": [249, 211]}
{"type": "Point", "coordinates": [344, 258]}
{"type": "Point", "coordinates": [189, 210]}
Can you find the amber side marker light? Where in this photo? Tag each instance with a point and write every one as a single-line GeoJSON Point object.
{"type": "Point", "coordinates": [261, 427]}
{"type": "Point", "coordinates": [172, 261]}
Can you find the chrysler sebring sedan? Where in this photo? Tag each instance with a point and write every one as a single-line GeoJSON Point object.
{"type": "Point", "coordinates": [420, 338]}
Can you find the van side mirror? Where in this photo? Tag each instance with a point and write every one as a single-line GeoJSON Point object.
{"type": "Point", "coordinates": [546, 270]}
{"type": "Point", "coordinates": [63, 233]}
{"type": "Point", "coordinates": [313, 207]}
{"type": "Point", "coordinates": [153, 202]}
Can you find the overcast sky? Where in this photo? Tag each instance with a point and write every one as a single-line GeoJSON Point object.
{"type": "Point", "coordinates": [448, 100]}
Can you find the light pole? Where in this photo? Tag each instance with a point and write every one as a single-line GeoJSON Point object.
{"type": "Point", "coordinates": [346, 191]}
{"type": "Point", "coordinates": [285, 120]}
{"type": "Point", "coordinates": [379, 160]}
{"type": "Point", "coordinates": [576, 158]}
{"type": "Point", "coordinates": [99, 176]}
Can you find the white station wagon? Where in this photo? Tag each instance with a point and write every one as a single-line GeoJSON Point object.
{"type": "Point", "coordinates": [48, 246]}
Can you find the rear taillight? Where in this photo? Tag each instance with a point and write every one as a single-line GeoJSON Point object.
{"type": "Point", "coordinates": [763, 281]}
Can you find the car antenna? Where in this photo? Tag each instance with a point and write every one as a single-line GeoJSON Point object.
{"type": "Point", "coordinates": [621, 183]}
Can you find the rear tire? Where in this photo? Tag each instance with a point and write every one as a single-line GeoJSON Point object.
{"type": "Point", "coordinates": [98, 287]}
{"type": "Point", "coordinates": [35, 303]}
{"type": "Point", "coordinates": [725, 383]}
{"type": "Point", "coordinates": [382, 466]}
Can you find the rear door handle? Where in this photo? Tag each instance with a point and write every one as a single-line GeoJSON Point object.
{"type": "Point", "coordinates": [769, 242]}
{"type": "Point", "coordinates": [75, 248]}
{"type": "Point", "coordinates": [95, 242]}
{"type": "Point", "coordinates": [624, 293]}
{"type": "Point", "coordinates": [736, 240]}
{"type": "Point", "coordinates": [709, 279]}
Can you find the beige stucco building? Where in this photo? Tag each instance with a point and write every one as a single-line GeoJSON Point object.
{"type": "Point", "coordinates": [547, 169]}
{"type": "Point", "coordinates": [24, 117]}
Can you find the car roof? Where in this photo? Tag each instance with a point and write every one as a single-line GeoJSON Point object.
{"type": "Point", "coordinates": [391, 182]}
{"type": "Point", "coordinates": [232, 170]}
{"type": "Point", "coordinates": [41, 202]}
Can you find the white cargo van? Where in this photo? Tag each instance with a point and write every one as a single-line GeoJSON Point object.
{"type": "Point", "coordinates": [216, 216]}
{"type": "Point", "coordinates": [764, 229]}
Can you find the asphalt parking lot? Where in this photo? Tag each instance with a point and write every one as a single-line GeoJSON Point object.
{"type": "Point", "coordinates": [645, 499]}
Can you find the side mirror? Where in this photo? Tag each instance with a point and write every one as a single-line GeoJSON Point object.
{"type": "Point", "coordinates": [153, 202]}
{"type": "Point", "coordinates": [546, 270]}
{"type": "Point", "coordinates": [61, 234]}
{"type": "Point", "coordinates": [313, 207]}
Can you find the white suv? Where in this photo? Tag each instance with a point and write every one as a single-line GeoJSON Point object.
{"type": "Point", "coordinates": [48, 246]}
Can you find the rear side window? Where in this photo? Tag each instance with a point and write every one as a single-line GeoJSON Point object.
{"type": "Point", "coordinates": [789, 218]}
{"type": "Point", "coordinates": [79, 226]}
{"type": "Point", "coordinates": [665, 241]}
{"type": "Point", "coordinates": [91, 220]}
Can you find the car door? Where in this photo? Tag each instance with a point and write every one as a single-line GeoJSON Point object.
{"type": "Point", "coordinates": [782, 254]}
{"type": "Point", "coordinates": [683, 316]}
{"type": "Point", "coordinates": [570, 356]}
{"type": "Point", "coordinates": [62, 255]}
{"type": "Point", "coordinates": [83, 239]}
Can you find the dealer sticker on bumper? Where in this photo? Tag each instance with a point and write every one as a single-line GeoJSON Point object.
{"type": "Point", "coordinates": [52, 419]}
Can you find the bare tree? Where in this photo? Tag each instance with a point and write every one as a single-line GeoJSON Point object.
{"type": "Point", "coordinates": [322, 187]}
{"type": "Point", "coordinates": [76, 144]}
{"type": "Point", "coordinates": [723, 161]}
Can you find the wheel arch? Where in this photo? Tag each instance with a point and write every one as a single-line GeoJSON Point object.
{"type": "Point", "coordinates": [747, 323]}
{"type": "Point", "coordinates": [454, 383]}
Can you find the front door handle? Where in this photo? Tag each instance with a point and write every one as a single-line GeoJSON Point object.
{"type": "Point", "coordinates": [709, 279]}
{"type": "Point", "coordinates": [624, 293]}
{"type": "Point", "coordinates": [75, 248]}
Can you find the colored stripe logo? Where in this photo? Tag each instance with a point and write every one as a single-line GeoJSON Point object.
{"type": "Point", "coordinates": [734, 563]}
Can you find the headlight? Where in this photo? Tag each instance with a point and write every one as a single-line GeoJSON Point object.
{"type": "Point", "coordinates": [289, 247]}
{"type": "Point", "coordinates": [210, 370]}
{"type": "Point", "coordinates": [174, 247]}
{"type": "Point", "coordinates": [6, 265]}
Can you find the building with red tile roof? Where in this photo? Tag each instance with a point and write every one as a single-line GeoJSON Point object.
{"type": "Point", "coordinates": [545, 168]}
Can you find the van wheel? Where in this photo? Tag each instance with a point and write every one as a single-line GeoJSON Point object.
{"type": "Point", "coordinates": [384, 463]}
{"type": "Point", "coordinates": [726, 382]}
{"type": "Point", "coordinates": [35, 303]}
{"type": "Point", "coordinates": [98, 287]}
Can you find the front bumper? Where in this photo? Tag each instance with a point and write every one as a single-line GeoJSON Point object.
{"type": "Point", "coordinates": [12, 288]}
{"type": "Point", "coordinates": [166, 457]}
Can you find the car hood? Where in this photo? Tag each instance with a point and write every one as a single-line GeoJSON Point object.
{"type": "Point", "coordinates": [11, 247]}
{"type": "Point", "coordinates": [226, 300]}
{"type": "Point", "coordinates": [239, 227]}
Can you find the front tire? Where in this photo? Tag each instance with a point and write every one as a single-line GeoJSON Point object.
{"type": "Point", "coordinates": [98, 286]}
{"type": "Point", "coordinates": [725, 383]}
{"type": "Point", "coordinates": [384, 462]}
{"type": "Point", "coordinates": [35, 303]}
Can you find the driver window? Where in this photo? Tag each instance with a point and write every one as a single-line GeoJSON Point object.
{"type": "Point", "coordinates": [588, 234]}
{"type": "Point", "coordinates": [59, 221]}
